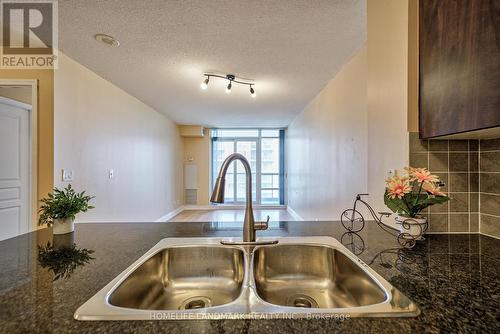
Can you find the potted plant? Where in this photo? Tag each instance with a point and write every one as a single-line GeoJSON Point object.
{"type": "Point", "coordinates": [408, 193]}
{"type": "Point", "coordinates": [60, 208]}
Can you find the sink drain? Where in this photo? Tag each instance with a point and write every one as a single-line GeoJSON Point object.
{"type": "Point", "coordinates": [301, 301]}
{"type": "Point", "coordinates": [194, 303]}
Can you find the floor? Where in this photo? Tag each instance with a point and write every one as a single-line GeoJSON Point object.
{"type": "Point", "coordinates": [231, 215]}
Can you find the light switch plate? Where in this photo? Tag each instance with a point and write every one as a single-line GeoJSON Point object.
{"type": "Point", "coordinates": [111, 174]}
{"type": "Point", "coordinates": [67, 175]}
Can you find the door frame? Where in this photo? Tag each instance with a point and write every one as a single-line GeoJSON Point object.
{"type": "Point", "coordinates": [33, 147]}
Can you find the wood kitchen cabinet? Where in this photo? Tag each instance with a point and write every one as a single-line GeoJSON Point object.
{"type": "Point", "coordinates": [459, 60]}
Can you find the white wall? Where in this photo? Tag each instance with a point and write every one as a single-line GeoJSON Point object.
{"type": "Point", "coordinates": [99, 127]}
{"type": "Point", "coordinates": [387, 47]}
{"type": "Point", "coordinates": [355, 130]}
{"type": "Point", "coordinates": [327, 146]}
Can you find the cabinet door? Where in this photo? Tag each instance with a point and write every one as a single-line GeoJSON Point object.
{"type": "Point", "coordinates": [459, 66]}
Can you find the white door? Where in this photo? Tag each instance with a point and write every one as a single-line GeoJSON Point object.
{"type": "Point", "coordinates": [14, 168]}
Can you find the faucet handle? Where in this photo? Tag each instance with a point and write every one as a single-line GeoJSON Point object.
{"type": "Point", "coordinates": [262, 225]}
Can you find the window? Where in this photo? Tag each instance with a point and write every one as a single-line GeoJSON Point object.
{"type": "Point", "coordinates": [264, 150]}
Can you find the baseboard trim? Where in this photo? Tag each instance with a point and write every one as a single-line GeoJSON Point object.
{"type": "Point", "coordinates": [294, 214]}
{"type": "Point", "coordinates": [170, 215]}
{"type": "Point", "coordinates": [454, 232]}
{"type": "Point", "coordinates": [231, 207]}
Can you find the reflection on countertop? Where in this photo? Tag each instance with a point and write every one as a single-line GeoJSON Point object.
{"type": "Point", "coordinates": [62, 256]}
{"type": "Point", "coordinates": [453, 278]}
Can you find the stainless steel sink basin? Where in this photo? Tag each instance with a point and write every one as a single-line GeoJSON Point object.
{"type": "Point", "coordinates": [183, 278]}
{"type": "Point", "coordinates": [198, 278]}
{"type": "Point", "coordinates": [313, 276]}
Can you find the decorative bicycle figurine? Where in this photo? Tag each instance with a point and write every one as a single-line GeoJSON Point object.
{"type": "Point", "coordinates": [353, 242]}
{"type": "Point", "coordinates": [353, 221]}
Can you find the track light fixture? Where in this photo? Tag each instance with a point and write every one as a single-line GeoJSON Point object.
{"type": "Point", "coordinates": [204, 84]}
{"type": "Point", "coordinates": [252, 92]}
{"type": "Point", "coordinates": [231, 78]}
{"type": "Point", "coordinates": [228, 88]}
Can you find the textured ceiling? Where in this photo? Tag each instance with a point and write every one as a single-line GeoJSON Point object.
{"type": "Point", "coordinates": [291, 48]}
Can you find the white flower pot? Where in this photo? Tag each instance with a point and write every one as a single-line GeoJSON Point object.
{"type": "Point", "coordinates": [63, 226]}
{"type": "Point", "coordinates": [415, 227]}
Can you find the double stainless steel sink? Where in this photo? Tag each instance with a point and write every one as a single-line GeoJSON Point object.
{"type": "Point", "coordinates": [199, 278]}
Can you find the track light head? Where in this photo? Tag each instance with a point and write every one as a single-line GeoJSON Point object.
{"type": "Point", "coordinates": [204, 84]}
{"type": "Point", "coordinates": [228, 88]}
{"type": "Point", "coordinates": [252, 92]}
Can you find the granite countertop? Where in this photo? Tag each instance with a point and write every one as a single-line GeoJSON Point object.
{"type": "Point", "coordinates": [454, 279]}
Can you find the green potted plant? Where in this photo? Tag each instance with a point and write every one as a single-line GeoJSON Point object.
{"type": "Point", "coordinates": [60, 208]}
{"type": "Point", "coordinates": [408, 193]}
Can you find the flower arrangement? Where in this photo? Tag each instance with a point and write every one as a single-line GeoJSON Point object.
{"type": "Point", "coordinates": [412, 191]}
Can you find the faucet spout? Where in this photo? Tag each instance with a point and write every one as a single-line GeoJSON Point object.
{"type": "Point", "coordinates": [249, 226]}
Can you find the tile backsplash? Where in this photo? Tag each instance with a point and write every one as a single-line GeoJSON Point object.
{"type": "Point", "coordinates": [489, 167]}
{"type": "Point", "coordinates": [471, 171]}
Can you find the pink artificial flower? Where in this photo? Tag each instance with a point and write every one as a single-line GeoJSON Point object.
{"type": "Point", "coordinates": [421, 175]}
{"type": "Point", "coordinates": [398, 187]}
{"type": "Point", "coordinates": [432, 189]}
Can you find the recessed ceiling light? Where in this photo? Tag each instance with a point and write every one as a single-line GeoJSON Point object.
{"type": "Point", "coordinates": [108, 40]}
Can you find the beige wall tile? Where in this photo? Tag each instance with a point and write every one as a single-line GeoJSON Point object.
{"type": "Point", "coordinates": [459, 145]}
{"type": "Point", "coordinates": [419, 160]}
{"type": "Point", "coordinates": [459, 222]}
{"type": "Point", "coordinates": [474, 222]}
{"type": "Point", "coordinates": [459, 162]}
{"type": "Point", "coordinates": [473, 161]}
{"type": "Point", "coordinates": [474, 182]}
{"type": "Point", "coordinates": [490, 225]}
{"type": "Point", "coordinates": [490, 204]}
{"type": "Point", "coordinates": [474, 202]}
{"type": "Point", "coordinates": [490, 144]}
{"type": "Point", "coordinates": [490, 161]}
{"type": "Point", "coordinates": [438, 222]}
{"type": "Point", "coordinates": [459, 202]}
{"type": "Point", "coordinates": [473, 145]}
{"type": "Point", "coordinates": [490, 183]}
{"type": "Point", "coordinates": [459, 182]}
{"type": "Point", "coordinates": [438, 145]}
{"type": "Point", "coordinates": [438, 162]}
{"type": "Point", "coordinates": [418, 145]}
